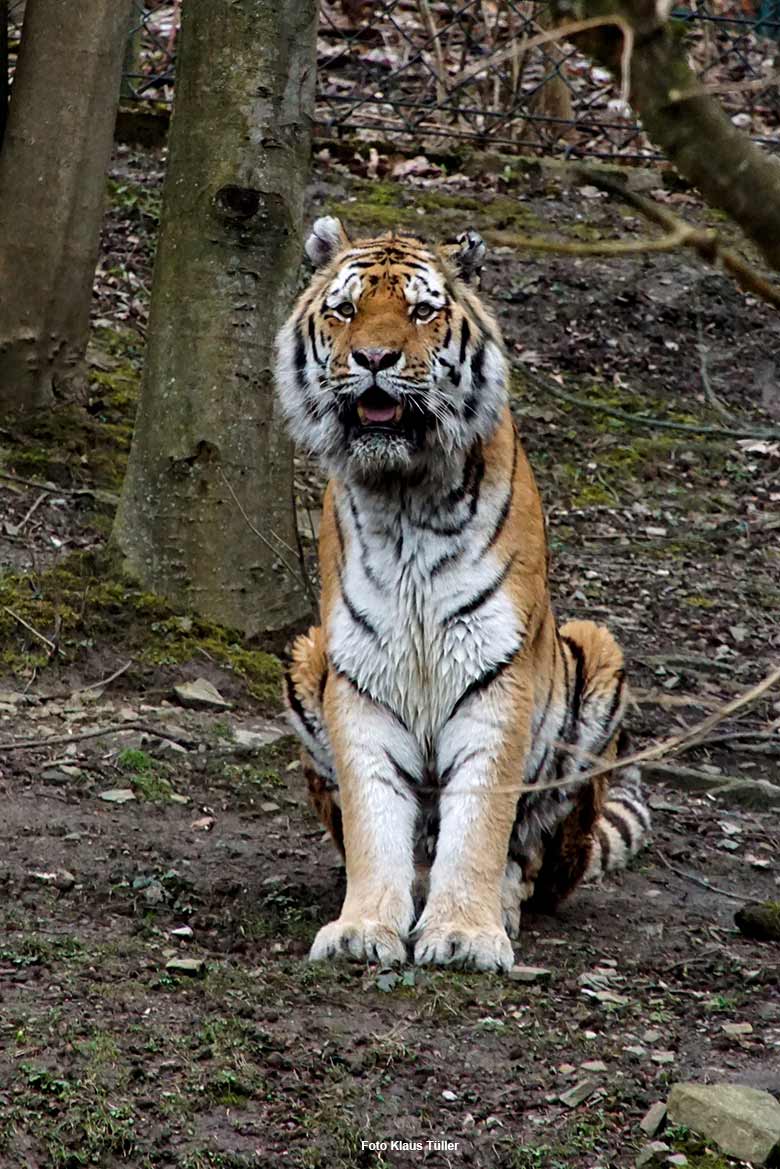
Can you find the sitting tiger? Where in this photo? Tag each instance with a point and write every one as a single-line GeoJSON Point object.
{"type": "Point", "coordinates": [438, 693]}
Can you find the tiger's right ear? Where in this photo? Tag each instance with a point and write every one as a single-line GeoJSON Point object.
{"type": "Point", "coordinates": [327, 239]}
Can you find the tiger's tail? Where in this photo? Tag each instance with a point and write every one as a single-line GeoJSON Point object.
{"type": "Point", "coordinates": [622, 826]}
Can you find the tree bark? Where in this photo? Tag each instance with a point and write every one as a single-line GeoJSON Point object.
{"type": "Point", "coordinates": [3, 68]}
{"type": "Point", "coordinates": [52, 183]}
{"type": "Point", "coordinates": [690, 126]}
{"type": "Point", "coordinates": [210, 455]}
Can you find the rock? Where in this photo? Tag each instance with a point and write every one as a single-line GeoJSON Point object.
{"type": "Point", "coordinates": [182, 931]}
{"type": "Point", "coordinates": [59, 878]}
{"type": "Point", "coordinates": [269, 806]}
{"type": "Point", "coordinates": [449, 1096]}
{"type": "Point", "coordinates": [677, 1159]}
{"type": "Point", "coordinates": [743, 1122]}
{"type": "Point", "coordinates": [117, 795]}
{"type": "Point", "coordinates": [736, 1029]}
{"type": "Point", "coordinates": [649, 1153]}
{"type": "Point", "coordinates": [200, 695]}
{"type": "Point", "coordinates": [249, 741]}
{"type": "Point", "coordinates": [10, 697]}
{"type": "Point", "coordinates": [530, 974]}
{"type": "Point", "coordinates": [759, 920]}
{"type": "Point", "coordinates": [193, 967]}
{"type": "Point", "coordinates": [662, 1057]}
{"type": "Point", "coordinates": [651, 1036]}
{"type": "Point", "coordinates": [594, 1065]}
{"type": "Point", "coordinates": [653, 1118]}
{"type": "Point", "coordinates": [578, 1093]}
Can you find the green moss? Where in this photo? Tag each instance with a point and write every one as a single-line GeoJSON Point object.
{"type": "Point", "coordinates": [80, 602]}
{"type": "Point", "coordinates": [74, 446]}
{"type": "Point", "coordinates": [593, 496]}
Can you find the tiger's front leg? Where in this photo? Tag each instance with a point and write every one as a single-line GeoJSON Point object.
{"type": "Point", "coordinates": [375, 757]}
{"type": "Point", "coordinates": [481, 755]}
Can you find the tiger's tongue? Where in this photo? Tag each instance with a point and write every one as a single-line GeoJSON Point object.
{"type": "Point", "coordinates": [378, 413]}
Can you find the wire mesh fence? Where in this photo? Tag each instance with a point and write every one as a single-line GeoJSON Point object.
{"type": "Point", "coordinates": [428, 73]}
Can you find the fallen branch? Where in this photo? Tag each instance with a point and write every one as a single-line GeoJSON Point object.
{"type": "Point", "coordinates": [705, 241]}
{"type": "Point", "coordinates": [689, 737]}
{"type": "Point", "coordinates": [549, 386]}
{"type": "Point", "coordinates": [701, 881]}
{"type": "Point", "coordinates": [36, 633]}
{"type": "Point", "coordinates": [95, 733]}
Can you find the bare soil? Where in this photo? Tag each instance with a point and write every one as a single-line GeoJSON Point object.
{"type": "Point", "coordinates": [109, 1058]}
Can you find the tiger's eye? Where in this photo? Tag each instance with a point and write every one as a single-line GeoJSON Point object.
{"type": "Point", "coordinates": [346, 310]}
{"type": "Point", "coordinates": [423, 311]}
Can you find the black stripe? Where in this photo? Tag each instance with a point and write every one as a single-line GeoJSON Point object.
{"type": "Point", "coordinates": [617, 821]}
{"type": "Point", "coordinates": [356, 615]}
{"type": "Point", "coordinates": [313, 339]}
{"type": "Point", "coordinates": [297, 706]}
{"type": "Point", "coordinates": [447, 338]}
{"type": "Point", "coordinates": [539, 769]}
{"type": "Point", "coordinates": [339, 531]}
{"type": "Point", "coordinates": [457, 763]}
{"type": "Point", "coordinates": [485, 594]}
{"type": "Point", "coordinates": [484, 680]}
{"type": "Point", "coordinates": [401, 772]}
{"type": "Point", "coordinates": [457, 529]}
{"type": "Point", "coordinates": [579, 679]}
{"type": "Point", "coordinates": [504, 513]}
{"type": "Point", "coordinates": [616, 698]}
{"type": "Point", "coordinates": [364, 559]}
{"type": "Point", "coordinates": [323, 684]}
{"type": "Point", "coordinates": [636, 807]}
{"type": "Point", "coordinates": [300, 357]}
{"type": "Point", "coordinates": [478, 367]}
{"type": "Point", "coordinates": [465, 335]}
{"type": "Point", "coordinates": [603, 840]}
{"type": "Point", "coordinates": [444, 561]}
{"type": "Point", "coordinates": [365, 693]}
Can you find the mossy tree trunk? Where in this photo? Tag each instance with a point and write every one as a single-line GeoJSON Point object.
{"type": "Point", "coordinates": [52, 183]}
{"type": "Point", "coordinates": [731, 172]}
{"type": "Point", "coordinates": [207, 514]}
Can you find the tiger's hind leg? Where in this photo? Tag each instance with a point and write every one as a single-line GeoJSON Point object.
{"type": "Point", "coordinates": [305, 686]}
{"type": "Point", "coordinates": [608, 821]}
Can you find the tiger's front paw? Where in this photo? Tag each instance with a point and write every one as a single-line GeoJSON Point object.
{"type": "Point", "coordinates": [451, 943]}
{"type": "Point", "coordinates": [359, 940]}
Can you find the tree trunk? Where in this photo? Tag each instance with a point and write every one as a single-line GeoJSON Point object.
{"type": "Point", "coordinates": [3, 68]}
{"type": "Point", "coordinates": [52, 182]}
{"type": "Point", "coordinates": [210, 459]}
{"type": "Point", "coordinates": [731, 172]}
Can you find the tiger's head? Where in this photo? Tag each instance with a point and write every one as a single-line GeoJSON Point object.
{"type": "Point", "coordinates": [390, 363]}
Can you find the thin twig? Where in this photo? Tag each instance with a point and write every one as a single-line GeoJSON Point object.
{"type": "Point", "coordinates": [35, 632]}
{"type": "Point", "coordinates": [691, 735]}
{"type": "Point", "coordinates": [705, 241]}
{"type": "Point", "coordinates": [300, 576]}
{"type": "Point", "coordinates": [549, 386]}
{"type": "Point", "coordinates": [95, 733]}
{"type": "Point", "coordinates": [704, 370]}
{"type": "Point", "coordinates": [559, 34]}
{"type": "Point", "coordinates": [440, 70]}
{"type": "Point", "coordinates": [702, 881]}
{"type": "Point", "coordinates": [52, 488]}
{"type": "Point", "coordinates": [106, 681]}
{"type": "Point", "coordinates": [17, 529]}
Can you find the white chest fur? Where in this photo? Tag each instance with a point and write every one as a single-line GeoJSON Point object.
{"type": "Point", "coordinates": [422, 613]}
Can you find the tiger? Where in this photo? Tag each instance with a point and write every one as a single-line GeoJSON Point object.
{"type": "Point", "coordinates": [444, 716]}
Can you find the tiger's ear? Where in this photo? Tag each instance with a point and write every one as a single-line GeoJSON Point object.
{"type": "Point", "coordinates": [467, 255]}
{"type": "Point", "coordinates": [327, 239]}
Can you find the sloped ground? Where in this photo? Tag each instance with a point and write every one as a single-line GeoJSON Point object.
{"type": "Point", "coordinates": [106, 1056]}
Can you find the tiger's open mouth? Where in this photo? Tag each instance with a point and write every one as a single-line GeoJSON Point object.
{"type": "Point", "coordinates": [376, 408]}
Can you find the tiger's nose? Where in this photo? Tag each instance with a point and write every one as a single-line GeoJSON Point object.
{"type": "Point", "coordinates": [376, 359]}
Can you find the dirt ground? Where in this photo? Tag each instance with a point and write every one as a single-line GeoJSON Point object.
{"type": "Point", "coordinates": [109, 1057]}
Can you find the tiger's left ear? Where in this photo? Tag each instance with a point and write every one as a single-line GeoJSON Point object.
{"type": "Point", "coordinates": [467, 255]}
{"type": "Point", "coordinates": [326, 240]}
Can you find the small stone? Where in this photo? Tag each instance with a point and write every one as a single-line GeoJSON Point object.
{"type": "Point", "coordinates": [269, 806]}
{"type": "Point", "coordinates": [649, 1153]}
{"type": "Point", "coordinates": [663, 1057]}
{"type": "Point", "coordinates": [743, 1122]}
{"type": "Point", "coordinates": [736, 1029]}
{"type": "Point", "coordinates": [58, 878]}
{"type": "Point", "coordinates": [677, 1159]}
{"type": "Point", "coordinates": [493, 1122]}
{"type": "Point", "coordinates": [651, 1036]}
{"type": "Point", "coordinates": [468, 1122]}
{"type": "Point", "coordinates": [530, 974]}
{"type": "Point", "coordinates": [567, 1069]}
{"type": "Point", "coordinates": [449, 1096]}
{"type": "Point", "coordinates": [182, 931]}
{"type": "Point", "coordinates": [117, 795]}
{"type": "Point", "coordinates": [200, 695]}
{"type": "Point", "coordinates": [636, 1051]}
{"type": "Point", "coordinates": [153, 893]}
{"type": "Point", "coordinates": [249, 741]}
{"type": "Point", "coordinates": [653, 1118]}
{"type": "Point", "coordinates": [594, 1065]}
{"type": "Point", "coordinates": [578, 1093]}
{"type": "Point", "coordinates": [193, 967]}
{"type": "Point", "coordinates": [177, 798]}
{"type": "Point", "coordinates": [10, 697]}
{"type": "Point", "coordinates": [590, 1034]}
